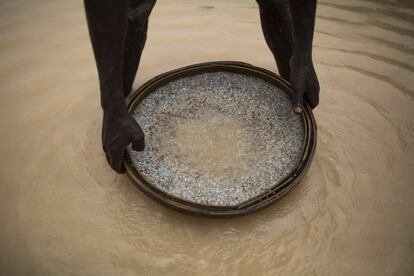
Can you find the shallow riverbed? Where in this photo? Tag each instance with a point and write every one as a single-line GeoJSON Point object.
{"type": "Point", "coordinates": [64, 212]}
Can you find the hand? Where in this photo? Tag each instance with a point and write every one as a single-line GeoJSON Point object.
{"type": "Point", "coordinates": [304, 83]}
{"type": "Point", "coordinates": [118, 131]}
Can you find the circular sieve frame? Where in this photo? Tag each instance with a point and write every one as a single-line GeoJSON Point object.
{"type": "Point", "coordinates": [255, 203]}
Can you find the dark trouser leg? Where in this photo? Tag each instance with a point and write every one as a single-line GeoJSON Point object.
{"type": "Point", "coordinates": [303, 76]}
{"type": "Point", "coordinates": [107, 22]}
{"type": "Point", "coordinates": [138, 14]}
{"type": "Point", "coordinates": [278, 32]}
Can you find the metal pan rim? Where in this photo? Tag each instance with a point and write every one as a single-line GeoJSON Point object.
{"type": "Point", "coordinates": [256, 203]}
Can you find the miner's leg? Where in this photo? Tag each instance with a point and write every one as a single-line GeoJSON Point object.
{"type": "Point", "coordinates": [107, 22]}
{"type": "Point", "coordinates": [278, 32]}
{"type": "Point", "coordinates": [302, 72]}
{"type": "Point", "coordinates": [138, 14]}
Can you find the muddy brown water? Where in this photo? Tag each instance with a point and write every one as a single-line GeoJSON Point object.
{"type": "Point", "coordinates": [64, 212]}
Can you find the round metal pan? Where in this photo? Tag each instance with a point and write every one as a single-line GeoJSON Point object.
{"type": "Point", "coordinates": [255, 203]}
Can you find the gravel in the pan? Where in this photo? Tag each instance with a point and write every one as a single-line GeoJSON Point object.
{"type": "Point", "coordinates": [217, 138]}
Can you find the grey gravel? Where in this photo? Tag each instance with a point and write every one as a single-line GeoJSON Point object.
{"type": "Point", "coordinates": [273, 137]}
